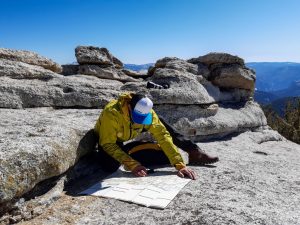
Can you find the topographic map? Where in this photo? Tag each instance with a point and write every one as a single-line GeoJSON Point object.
{"type": "Point", "coordinates": [155, 190]}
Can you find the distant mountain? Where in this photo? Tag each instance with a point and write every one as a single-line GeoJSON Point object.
{"type": "Point", "coordinates": [280, 104]}
{"type": "Point", "coordinates": [292, 91]}
{"type": "Point", "coordinates": [264, 98]}
{"type": "Point", "coordinates": [138, 67]}
{"type": "Point", "coordinates": [274, 76]}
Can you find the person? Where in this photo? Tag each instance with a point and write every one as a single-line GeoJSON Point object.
{"type": "Point", "coordinates": [123, 120]}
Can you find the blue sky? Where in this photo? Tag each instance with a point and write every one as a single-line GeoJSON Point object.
{"type": "Point", "coordinates": [142, 31]}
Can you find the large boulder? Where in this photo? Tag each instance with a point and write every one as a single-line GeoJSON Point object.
{"type": "Point", "coordinates": [105, 73]}
{"type": "Point", "coordinates": [135, 74]}
{"type": "Point", "coordinates": [31, 58]}
{"type": "Point", "coordinates": [217, 58]}
{"type": "Point", "coordinates": [36, 144]}
{"type": "Point", "coordinates": [233, 76]}
{"type": "Point", "coordinates": [96, 56]}
{"type": "Point", "coordinates": [192, 93]}
{"type": "Point", "coordinates": [70, 69]}
{"type": "Point", "coordinates": [211, 123]}
{"type": "Point", "coordinates": [197, 90]}
{"type": "Point", "coordinates": [60, 92]}
{"type": "Point", "coordinates": [20, 70]}
{"type": "Point", "coordinates": [177, 64]}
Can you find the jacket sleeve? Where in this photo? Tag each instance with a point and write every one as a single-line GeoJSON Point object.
{"type": "Point", "coordinates": [162, 136]}
{"type": "Point", "coordinates": [108, 137]}
{"type": "Point", "coordinates": [179, 140]}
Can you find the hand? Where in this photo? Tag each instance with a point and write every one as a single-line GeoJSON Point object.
{"type": "Point", "coordinates": [187, 172]}
{"type": "Point", "coordinates": [140, 171]}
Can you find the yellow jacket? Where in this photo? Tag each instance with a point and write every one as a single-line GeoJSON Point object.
{"type": "Point", "coordinates": [114, 125]}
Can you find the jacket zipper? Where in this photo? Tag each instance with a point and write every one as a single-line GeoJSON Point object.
{"type": "Point", "coordinates": [130, 130]}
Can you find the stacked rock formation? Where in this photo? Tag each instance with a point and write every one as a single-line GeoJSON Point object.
{"type": "Point", "coordinates": [45, 116]}
{"type": "Point", "coordinates": [208, 97]}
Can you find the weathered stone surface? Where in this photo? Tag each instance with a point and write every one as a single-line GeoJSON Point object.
{"type": "Point", "coordinates": [233, 76]}
{"type": "Point", "coordinates": [133, 73]}
{"type": "Point", "coordinates": [20, 70]}
{"type": "Point", "coordinates": [151, 70]}
{"type": "Point", "coordinates": [29, 58]}
{"type": "Point", "coordinates": [36, 144]}
{"type": "Point", "coordinates": [118, 63]}
{"type": "Point", "coordinates": [176, 64]}
{"type": "Point", "coordinates": [178, 95]}
{"type": "Point", "coordinates": [193, 112]}
{"type": "Point", "coordinates": [105, 73]}
{"type": "Point", "coordinates": [93, 55]}
{"type": "Point", "coordinates": [70, 69]}
{"type": "Point", "coordinates": [192, 93]}
{"type": "Point", "coordinates": [227, 120]}
{"type": "Point", "coordinates": [245, 187]}
{"type": "Point", "coordinates": [203, 70]}
{"type": "Point", "coordinates": [235, 95]}
{"type": "Point", "coordinates": [214, 57]}
{"type": "Point", "coordinates": [161, 63]}
{"type": "Point", "coordinates": [71, 91]}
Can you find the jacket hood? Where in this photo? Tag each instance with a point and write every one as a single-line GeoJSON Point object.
{"type": "Point", "coordinates": [123, 102]}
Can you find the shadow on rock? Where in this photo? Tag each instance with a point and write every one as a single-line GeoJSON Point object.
{"type": "Point", "coordinates": [87, 171]}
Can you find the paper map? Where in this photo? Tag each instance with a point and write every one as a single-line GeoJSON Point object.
{"type": "Point", "coordinates": [155, 190]}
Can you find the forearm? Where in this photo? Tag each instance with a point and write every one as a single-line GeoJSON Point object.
{"type": "Point", "coordinates": [118, 154]}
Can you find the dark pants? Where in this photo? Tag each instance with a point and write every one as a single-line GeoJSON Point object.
{"type": "Point", "coordinates": [147, 157]}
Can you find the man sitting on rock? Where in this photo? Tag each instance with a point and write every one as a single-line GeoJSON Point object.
{"type": "Point", "coordinates": [123, 120]}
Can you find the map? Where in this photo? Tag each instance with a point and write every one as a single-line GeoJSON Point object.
{"type": "Point", "coordinates": [156, 190]}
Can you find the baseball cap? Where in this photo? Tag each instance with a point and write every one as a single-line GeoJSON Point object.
{"type": "Point", "coordinates": [141, 109]}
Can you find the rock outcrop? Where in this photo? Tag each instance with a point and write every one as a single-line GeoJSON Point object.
{"type": "Point", "coordinates": [76, 91]}
{"type": "Point", "coordinates": [255, 182]}
{"type": "Point", "coordinates": [93, 55]}
{"type": "Point", "coordinates": [101, 63]}
{"type": "Point", "coordinates": [209, 97]}
{"type": "Point", "coordinates": [70, 69]}
{"type": "Point", "coordinates": [37, 144]}
{"type": "Point", "coordinates": [20, 70]}
{"type": "Point", "coordinates": [217, 58]}
{"type": "Point", "coordinates": [31, 58]}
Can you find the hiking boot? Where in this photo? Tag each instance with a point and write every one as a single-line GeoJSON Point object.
{"type": "Point", "coordinates": [199, 157]}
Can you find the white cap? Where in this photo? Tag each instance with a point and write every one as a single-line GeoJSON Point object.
{"type": "Point", "coordinates": [141, 113]}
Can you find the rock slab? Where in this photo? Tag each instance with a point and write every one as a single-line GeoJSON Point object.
{"type": "Point", "coordinates": [31, 58]}
{"type": "Point", "coordinates": [255, 182]}
{"type": "Point", "coordinates": [36, 144]}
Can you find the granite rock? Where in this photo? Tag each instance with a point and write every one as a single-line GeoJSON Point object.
{"type": "Point", "coordinates": [20, 70]}
{"type": "Point", "coordinates": [209, 123]}
{"type": "Point", "coordinates": [105, 73]}
{"type": "Point", "coordinates": [76, 91]}
{"type": "Point", "coordinates": [255, 182]}
{"type": "Point", "coordinates": [36, 144]}
{"type": "Point", "coordinates": [93, 55]}
{"type": "Point", "coordinates": [214, 57]}
{"type": "Point", "coordinates": [233, 76]}
{"type": "Point", "coordinates": [31, 58]}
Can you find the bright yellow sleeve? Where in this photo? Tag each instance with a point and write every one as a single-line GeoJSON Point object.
{"type": "Point", "coordinates": [107, 126]}
{"type": "Point", "coordinates": [164, 139]}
